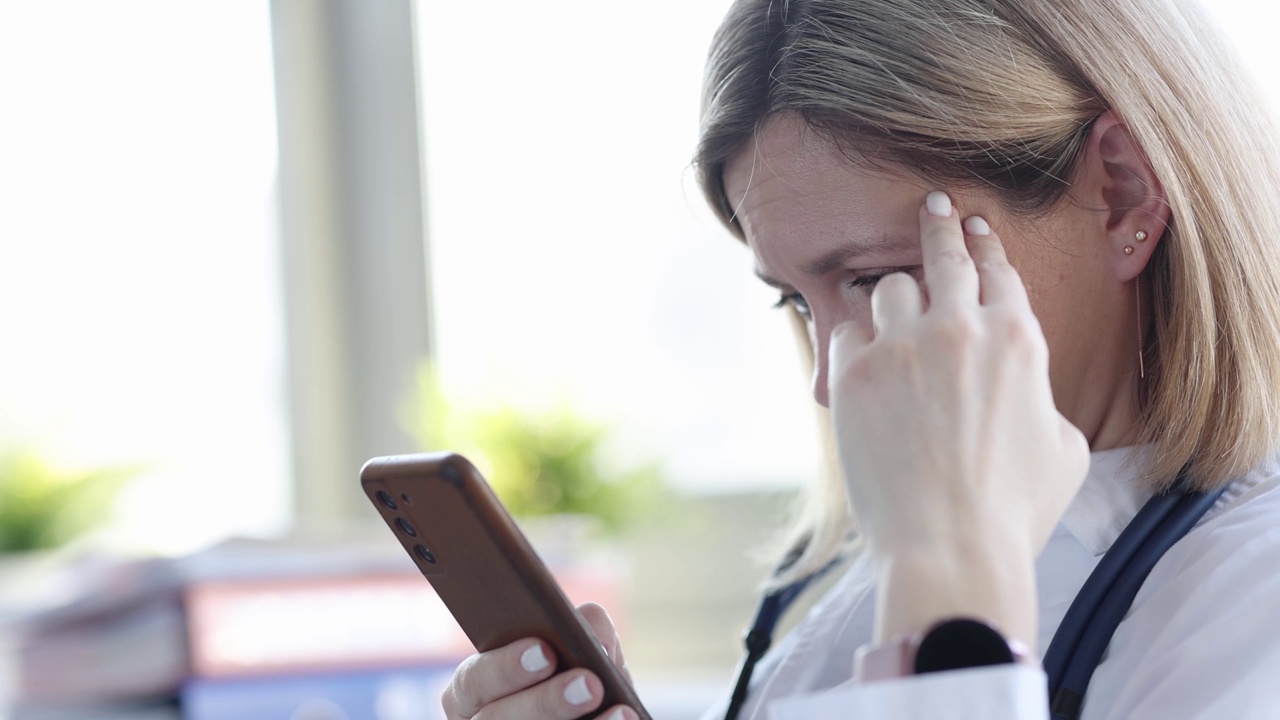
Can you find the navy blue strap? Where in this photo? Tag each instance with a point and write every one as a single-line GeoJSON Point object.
{"type": "Point", "coordinates": [760, 636]}
{"type": "Point", "coordinates": [1096, 587]}
{"type": "Point", "coordinates": [1107, 595]}
{"type": "Point", "coordinates": [1086, 629]}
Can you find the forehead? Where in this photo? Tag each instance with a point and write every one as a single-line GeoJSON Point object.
{"type": "Point", "coordinates": [784, 155]}
{"type": "Point", "coordinates": [791, 189]}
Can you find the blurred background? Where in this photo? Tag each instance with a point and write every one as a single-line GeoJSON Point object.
{"type": "Point", "coordinates": [247, 244]}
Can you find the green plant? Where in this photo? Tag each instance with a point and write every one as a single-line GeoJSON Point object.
{"type": "Point", "coordinates": [44, 507]}
{"type": "Point", "coordinates": [540, 463]}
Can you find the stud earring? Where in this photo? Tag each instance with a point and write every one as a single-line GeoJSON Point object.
{"type": "Point", "coordinates": [1142, 235]}
{"type": "Point", "coordinates": [1128, 249]}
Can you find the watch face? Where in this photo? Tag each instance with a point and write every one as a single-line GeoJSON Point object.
{"type": "Point", "coordinates": [963, 643]}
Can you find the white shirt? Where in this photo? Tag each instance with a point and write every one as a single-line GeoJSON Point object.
{"type": "Point", "coordinates": [1201, 641]}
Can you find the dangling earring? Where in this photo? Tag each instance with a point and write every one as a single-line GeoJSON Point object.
{"type": "Point", "coordinates": [1137, 295]}
{"type": "Point", "coordinates": [1141, 236]}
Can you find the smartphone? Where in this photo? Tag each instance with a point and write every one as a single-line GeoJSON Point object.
{"type": "Point", "coordinates": [463, 540]}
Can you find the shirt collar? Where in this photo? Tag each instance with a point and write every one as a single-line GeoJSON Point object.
{"type": "Point", "coordinates": [1109, 498]}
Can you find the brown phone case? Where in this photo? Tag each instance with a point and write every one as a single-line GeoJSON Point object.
{"type": "Point", "coordinates": [480, 564]}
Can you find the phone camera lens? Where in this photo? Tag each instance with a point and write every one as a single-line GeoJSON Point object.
{"type": "Point", "coordinates": [406, 527]}
{"type": "Point", "coordinates": [385, 498]}
{"type": "Point", "coordinates": [425, 554]}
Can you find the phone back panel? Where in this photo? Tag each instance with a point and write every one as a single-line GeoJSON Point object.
{"type": "Point", "coordinates": [480, 564]}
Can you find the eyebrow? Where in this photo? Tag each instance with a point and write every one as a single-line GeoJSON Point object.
{"type": "Point", "coordinates": [836, 257]}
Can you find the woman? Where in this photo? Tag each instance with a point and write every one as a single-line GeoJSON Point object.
{"type": "Point", "coordinates": [1032, 244]}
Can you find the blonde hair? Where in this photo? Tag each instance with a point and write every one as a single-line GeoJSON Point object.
{"type": "Point", "coordinates": [1002, 94]}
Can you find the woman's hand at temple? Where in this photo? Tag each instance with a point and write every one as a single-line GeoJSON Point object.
{"type": "Point", "coordinates": [516, 682]}
{"type": "Point", "coordinates": [959, 464]}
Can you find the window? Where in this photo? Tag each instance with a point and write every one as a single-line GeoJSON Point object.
{"type": "Point", "coordinates": [139, 287]}
{"type": "Point", "coordinates": [572, 255]}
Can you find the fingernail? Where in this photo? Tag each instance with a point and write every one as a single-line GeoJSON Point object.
{"type": "Point", "coordinates": [576, 692]}
{"type": "Point", "coordinates": [975, 225]}
{"type": "Point", "coordinates": [618, 714]}
{"type": "Point", "coordinates": [533, 659]}
{"type": "Point", "coordinates": [938, 204]}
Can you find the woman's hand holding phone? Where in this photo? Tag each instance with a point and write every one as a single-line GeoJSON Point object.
{"type": "Point", "coordinates": [517, 682]}
{"type": "Point", "coordinates": [504, 598]}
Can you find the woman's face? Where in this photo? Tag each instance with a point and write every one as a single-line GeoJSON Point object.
{"type": "Point", "coordinates": [824, 230]}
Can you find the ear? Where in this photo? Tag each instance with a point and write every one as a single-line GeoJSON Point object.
{"type": "Point", "coordinates": [1118, 179]}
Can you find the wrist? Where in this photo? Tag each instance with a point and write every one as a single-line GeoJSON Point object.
{"type": "Point", "coordinates": [921, 586]}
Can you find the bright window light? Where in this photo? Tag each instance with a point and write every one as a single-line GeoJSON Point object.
{"type": "Point", "coordinates": [139, 287]}
{"type": "Point", "coordinates": [572, 255]}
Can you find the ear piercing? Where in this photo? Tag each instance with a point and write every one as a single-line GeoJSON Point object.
{"type": "Point", "coordinates": [1141, 235]}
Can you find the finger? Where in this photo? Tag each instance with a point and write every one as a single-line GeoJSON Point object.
{"type": "Point", "coordinates": [619, 712]}
{"type": "Point", "coordinates": [571, 694]}
{"type": "Point", "coordinates": [482, 679]}
{"type": "Point", "coordinates": [605, 631]}
{"type": "Point", "coordinates": [948, 270]}
{"type": "Point", "coordinates": [998, 281]}
{"type": "Point", "coordinates": [895, 301]}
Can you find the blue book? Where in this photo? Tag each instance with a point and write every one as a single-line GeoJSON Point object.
{"type": "Point", "coordinates": [384, 694]}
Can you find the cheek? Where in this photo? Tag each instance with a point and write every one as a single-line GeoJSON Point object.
{"type": "Point", "coordinates": [1039, 267]}
{"type": "Point", "coordinates": [854, 307]}
{"type": "Point", "coordinates": [1066, 303]}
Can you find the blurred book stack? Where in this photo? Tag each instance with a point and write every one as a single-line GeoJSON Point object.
{"type": "Point", "coordinates": [251, 631]}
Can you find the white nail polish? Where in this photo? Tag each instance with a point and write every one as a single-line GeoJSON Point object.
{"type": "Point", "coordinates": [533, 659]}
{"type": "Point", "coordinates": [976, 226]}
{"type": "Point", "coordinates": [576, 692]}
{"type": "Point", "coordinates": [616, 715]}
{"type": "Point", "coordinates": [938, 204]}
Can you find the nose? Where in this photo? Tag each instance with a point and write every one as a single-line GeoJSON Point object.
{"type": "Point", "coordinates": [820, 384]}
{"type": "Point", "coordinates": [823, 341]}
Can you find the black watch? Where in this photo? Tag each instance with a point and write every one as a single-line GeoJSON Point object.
{"type": "Point", "coordinates": [964, 643]}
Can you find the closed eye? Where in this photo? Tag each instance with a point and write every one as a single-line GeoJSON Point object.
{"type": "Point", "coordinates": [868, 281]}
